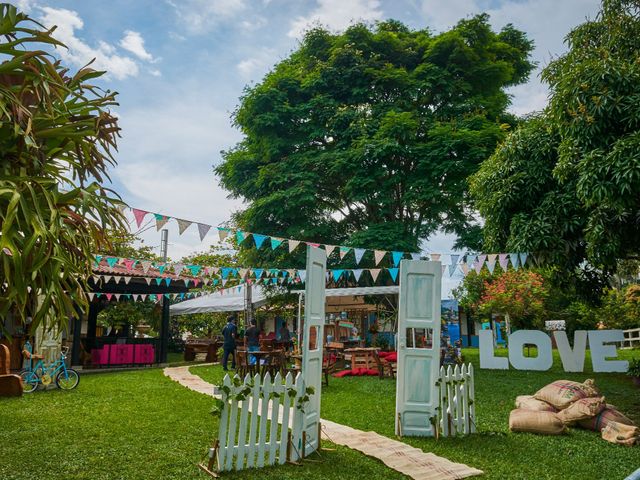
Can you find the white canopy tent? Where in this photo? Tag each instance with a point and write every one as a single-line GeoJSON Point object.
{"type": "Point", "coordinates": [231, 301]}
{"type": "Point", "coordinates": [235, 301]}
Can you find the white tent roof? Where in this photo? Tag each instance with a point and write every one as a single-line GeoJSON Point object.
{"type": "Point", "coordinates": [347, 292]}
{"type": "Point", "coordinates": [231, 301]}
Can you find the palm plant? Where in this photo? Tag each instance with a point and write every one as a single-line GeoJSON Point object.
{"type": "Point", "coordinates": [56, 141]}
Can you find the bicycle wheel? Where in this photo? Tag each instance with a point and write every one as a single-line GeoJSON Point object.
{"type": "Point", "coordinates": [67, 381]}
{"type": "Point", "coordinates": [30, 381]}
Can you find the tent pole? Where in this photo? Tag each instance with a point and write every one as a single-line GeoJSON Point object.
{"type": "Point", "coordinates": [164, 327]}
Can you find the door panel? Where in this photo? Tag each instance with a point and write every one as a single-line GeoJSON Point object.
{"type": "Point", "coordinates": [312, 346]}
{"type": "Point", "coordinates": [418, 346]}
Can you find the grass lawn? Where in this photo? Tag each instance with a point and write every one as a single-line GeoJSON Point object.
{"type": "Point", "coordinates": [368, 403]}
{"type": "Point", "coordinates": [133, 425]}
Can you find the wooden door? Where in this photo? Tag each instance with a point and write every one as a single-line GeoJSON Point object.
{"type": "Point", "coordinates": [314, 300]}
{"type": "Point", "coordinates": [418, 347]}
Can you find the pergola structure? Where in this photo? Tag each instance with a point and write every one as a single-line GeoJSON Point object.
{"type": "Point", "coordinates": [120, 280]}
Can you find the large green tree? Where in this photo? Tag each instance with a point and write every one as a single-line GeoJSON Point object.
{"type": "Point", "coordinates": [56, 138]}
{"type": "Point", "coordinates": [367, 137]}
{"type": "Point", "coordinates": [565, 184]}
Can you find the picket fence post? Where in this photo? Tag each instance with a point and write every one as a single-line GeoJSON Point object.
{"type": "Point", "coordinates": [456, 411]}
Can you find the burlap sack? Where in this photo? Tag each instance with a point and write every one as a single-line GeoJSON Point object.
{"type": "Point", "coordinates": [621, 434]}
{"type": "Point", "coordinates": [606, 416]}
{"type": "Point", "coordinates": [546, 423]}
{"type": "Point", "coordinates": [582, 410]}
{"type": "Point", "coordinates": [563, 393]}
{"type": "Point", "coordinates": [527, 402]}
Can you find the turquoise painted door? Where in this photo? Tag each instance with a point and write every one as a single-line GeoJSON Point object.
{"type": "Point", "coordinates": [418, 347]}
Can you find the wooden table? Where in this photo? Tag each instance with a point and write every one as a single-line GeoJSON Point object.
{"type": "Point", "coordinates": [362, 357]}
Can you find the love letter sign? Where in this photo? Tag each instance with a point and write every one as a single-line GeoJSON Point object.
{"type": "Point", "coordinates": [600, 343]}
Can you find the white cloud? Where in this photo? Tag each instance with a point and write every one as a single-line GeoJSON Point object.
{"type": "Point", "coordinates": [165, 164]}
{"type": "Point", "coordinates": [337, 15]}
{"type": "Point", "coordinates": [257, 65]}
{"type": "Point", "coordinates": [547, 22]}
{"type": "Point", "coordinates": [254, 24]}
{"type": "Point", "coordinates": [134, 43]}
{"type": "Point", "coordinates": [200, 16]}
{"type": "Point", "coordinates": [79, 53]}
{"type": "Point", "coordinates": [155, 72]}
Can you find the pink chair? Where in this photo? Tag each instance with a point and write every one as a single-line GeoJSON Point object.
{"type": "Point", "coordinates": [100, 356]}
{"type": "Point", "coordinates": [144, 354]}
{"type": "Point", "coordinates": [122, 354]}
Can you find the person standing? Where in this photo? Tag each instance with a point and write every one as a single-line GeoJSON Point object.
{"type": "Point", "coordinates": [229, 333]}
{"type": "Point", "coordinates": [285, 335]}
{"type": "Point", "coordinates": [252, 336]}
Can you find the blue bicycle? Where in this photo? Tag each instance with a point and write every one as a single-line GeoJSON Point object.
{"type": "Point", "coordinates": [65, 378]}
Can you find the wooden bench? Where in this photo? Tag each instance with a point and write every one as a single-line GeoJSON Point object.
{"type": "Point", "coordinates": [10, 385]}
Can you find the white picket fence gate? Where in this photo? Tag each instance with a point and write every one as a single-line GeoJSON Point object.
{"type": "Point", "coordinates": [456, 409]}
{"type": "Point", "coordinates": [249, 433]}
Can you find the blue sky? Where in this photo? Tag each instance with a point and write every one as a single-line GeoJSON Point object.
{"type": "Point", "coordinates": [180, 66]}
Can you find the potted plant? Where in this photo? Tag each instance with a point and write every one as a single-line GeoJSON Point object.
{"type": "Point", "coordinates": [634, 371]}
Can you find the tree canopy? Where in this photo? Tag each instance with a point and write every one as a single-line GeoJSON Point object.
{"type": "Point", "coordinates": [56, 139]}
{"type": "Point", "coordinates": [565, 183]}
{"type": "Point", "coordinates": [367, 137]}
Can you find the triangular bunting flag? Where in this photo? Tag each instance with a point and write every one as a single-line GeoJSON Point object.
{"type": "Point", "coordinates": [148, 280]}
{"type": "Point", "coordinates": [258, 272]}
{"type": "Point", "coordinates": [302, 275]}
{"type": "Point", "coordinates": [117, 295]}
{"type": "Point", "coordinates": [259, 239]}
{"type": "Point", "coordinates": [343, 251]}
{"type": "Point", "coordinates": [183, 225]}
{"type": "Point", "coordinates": [480, 262]}
{"type": "Point", "coordinates": [203, 229]}
{"type": "Point", "coordinates": [329, 249]}
{"type": "Point", "coordinates": [91, 295]}
{"type": "Point", "coordinates": [357, 272]}
{"type": "Point", "coordinates": [129, 263]}
{"type": "Point", "coordinates": [491, 262]}
{"type": "Point", "coordinates": [337, 274]}
{"type": "Point", "coordinates": [379, 255]}
{"type": "Point", "coordinates": [374, 273]}
{"type": "Point", "coordinates": [177, 268]}
{"type": "Point", "coordinates": [194, 269]}
{"type": "Point", "coordinates": [109, 295]}
{"type": "Point", "coordinates": [293, 244]}
{"type": "Point", "coordinates": [397, 256]}
{"type": "Point", "coordinates": [515, 263]}
{"type": "Point", "coordinates": [127, 280]}
{"type": "Point", "coordinates": [186, 282]}
{"type": "Point", "coordinates": [465, 268]}
{"type": "Point", "coordinates": [359, 252]}
{"type": "Point", "coordinates": [98, 258]}
{"type": "Point", "coordinates": [139, 215]}
{"type": "Point", "coordinates": [223, 233]}
{"type": "Point", "coordinates": [161, 220]}
{"type": "Point", "coordinates": [243, 271]}
{"type": "Point", "coordinates": [167, 281]}
{"type": "Point", "coordinates": [240, 236]}
{"type": "Point", "coordinates": [454, 264]}
{"type": "Point", "coordinates": [117, 279]}
{"type": "Point", "coordinates": [394, 274]}
{"type": "Point", "coordinates": [503, 260]}
{"type": "Point", "coordinates": [111, 261]}
{"type": "Point", "coordinates": [146, 265]}
{"type": "Point", "coordinates": [161, 268]}
{"type": "Point", "coordinates": [523, 259]}
{"type": "Point", "coordinates": [276, 242]}
{"type": "Point", "coordinates": [158, 280]}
